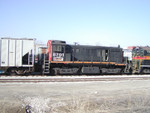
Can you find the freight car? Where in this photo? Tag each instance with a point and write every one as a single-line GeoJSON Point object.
{"type": "Point", "coordinates": [16, 55]}
{"type": "Point", "coordinates": [64, 58]}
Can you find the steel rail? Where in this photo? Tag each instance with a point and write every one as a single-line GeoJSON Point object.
{"type": "Point", "coordinates": [70, 79]}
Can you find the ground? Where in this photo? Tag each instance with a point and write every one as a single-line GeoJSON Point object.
{"type": "Point", "coordinates": [127, 96]}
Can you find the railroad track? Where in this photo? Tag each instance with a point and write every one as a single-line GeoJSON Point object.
{"type": "Point", "coordinates": [70, 79]}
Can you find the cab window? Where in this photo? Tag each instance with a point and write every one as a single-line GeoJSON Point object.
{"type": "Point", "coordinates": [57, 48]}
{"type": "Point", "coordinates": [147, 53]}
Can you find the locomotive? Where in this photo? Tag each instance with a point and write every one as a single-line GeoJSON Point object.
{"type": "Point", "coordinates": [81, 59]}
{"type": "Point", "coordinates": [23, 56]}
{"type": "Point", "coordinates": [141, 60]}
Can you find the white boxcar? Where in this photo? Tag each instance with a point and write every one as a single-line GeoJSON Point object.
{"type": "Point", "coordinates": [16, 52]}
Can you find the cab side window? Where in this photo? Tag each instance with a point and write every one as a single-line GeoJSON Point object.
{"type": "Point", "coordinates": [57, 48]}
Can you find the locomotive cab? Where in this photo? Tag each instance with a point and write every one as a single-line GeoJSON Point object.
{"type": "Point", "coordinates": [56, 50]}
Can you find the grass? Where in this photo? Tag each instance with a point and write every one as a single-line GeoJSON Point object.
{"type": "Point", "coordinates": [117, 104]}
{"type": "Point", "coordinates": [122, 103]}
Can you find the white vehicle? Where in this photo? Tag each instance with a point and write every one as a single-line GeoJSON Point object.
{"type": "Point", "coordinates": [17, 55]}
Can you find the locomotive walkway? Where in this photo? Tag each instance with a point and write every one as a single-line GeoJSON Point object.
{"type": "Point", "coordinates": [38, 79]}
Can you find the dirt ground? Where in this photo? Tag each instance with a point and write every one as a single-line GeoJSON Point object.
{"type": "Point", "coordinates": [128, 96]}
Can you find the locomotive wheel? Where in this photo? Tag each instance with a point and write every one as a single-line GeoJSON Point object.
{"type": "Point", "coordinates": [52, 72]}
{"type": "Point", "coordinates": [11, 72]}
{"type": "Point", "coordinates": [130, 71]}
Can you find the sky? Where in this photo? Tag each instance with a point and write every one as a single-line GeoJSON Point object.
{"type": "Point", "coordinates": [89, 22]}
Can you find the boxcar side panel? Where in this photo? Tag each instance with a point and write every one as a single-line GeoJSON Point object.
{"type": "Point", "coordinates": [28, 50]}
{"type": "Point", "coordinates": [18, 52]}
{"type": "Point", "coordinates": [4, 53]}
{"type": "Point", "coordinates": [11, 54]}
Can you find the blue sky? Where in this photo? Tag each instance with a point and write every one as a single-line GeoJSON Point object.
{"type": "Point", "coordinates": [92, 22]}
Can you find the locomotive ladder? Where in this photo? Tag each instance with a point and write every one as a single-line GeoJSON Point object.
{"type": "Point", "coordinates": [46, 65]}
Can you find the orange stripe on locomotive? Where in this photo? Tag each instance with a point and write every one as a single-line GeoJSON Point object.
{"type": "Point", "coordinates": [141, 58]}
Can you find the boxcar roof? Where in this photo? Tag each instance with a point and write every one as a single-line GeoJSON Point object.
{"type": "Point", "coordinates": [18, 38]}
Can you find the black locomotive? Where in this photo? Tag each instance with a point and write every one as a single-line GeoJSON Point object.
{"type": "Point", "coordinates": [63, 58]}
